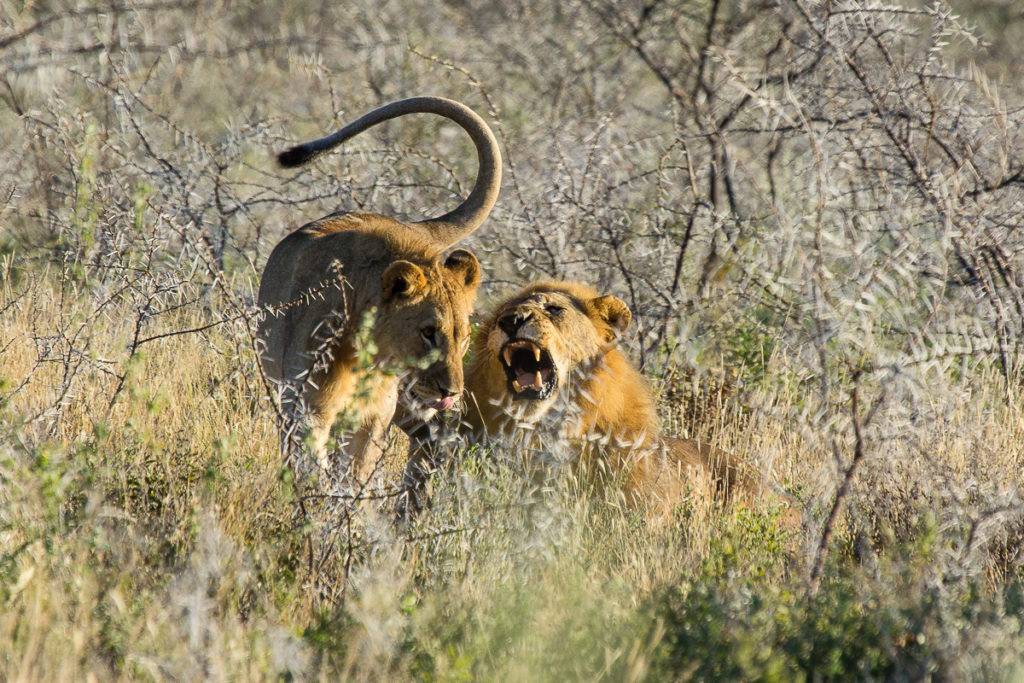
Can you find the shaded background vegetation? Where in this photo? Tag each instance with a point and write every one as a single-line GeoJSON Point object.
{"type": "Point", "coordinates": [811, 208]}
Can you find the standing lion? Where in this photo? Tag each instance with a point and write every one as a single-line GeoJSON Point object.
{"type": "Point", "coordinates": [347, 284]}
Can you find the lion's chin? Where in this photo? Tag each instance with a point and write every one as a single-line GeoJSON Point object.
{"type": "Point", "coordinates": [529, 370]}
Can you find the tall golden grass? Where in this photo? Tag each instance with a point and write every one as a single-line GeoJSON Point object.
{"type": "Point", "coordinates": [160, 538]}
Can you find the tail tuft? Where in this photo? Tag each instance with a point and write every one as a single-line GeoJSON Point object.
{"type": "Point", "coordinates": [295, 156]}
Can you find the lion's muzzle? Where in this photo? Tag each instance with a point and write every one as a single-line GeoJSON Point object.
{"type": "Point", "coordinates": [445, 403]}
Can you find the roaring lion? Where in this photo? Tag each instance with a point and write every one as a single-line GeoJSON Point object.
{"type": "Point", "coordinates": [365, 314]}
{"type": "Point", "coordinates": [544, 364]}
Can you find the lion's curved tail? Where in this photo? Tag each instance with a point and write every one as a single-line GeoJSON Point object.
{"type": "Point", "coordinates": [453, 226]}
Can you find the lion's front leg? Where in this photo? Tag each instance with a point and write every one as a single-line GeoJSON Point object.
{"type": "Point", "coordinates": [365, 446]}
{"type": "Point", "coordinates": [365, 451]}
{"type": "Point", "coordinates": [429, 441]}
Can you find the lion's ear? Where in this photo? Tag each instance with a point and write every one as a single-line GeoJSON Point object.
{"type": "Point", "coordinates": [462, 263]}
{"type": "Point", "coordinates": [613, 311]}
{"type": "Point", "coordinates": [402, 279]}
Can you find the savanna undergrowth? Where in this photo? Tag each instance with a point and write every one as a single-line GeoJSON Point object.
{"type": "Point", "coordinates": [811, 208]}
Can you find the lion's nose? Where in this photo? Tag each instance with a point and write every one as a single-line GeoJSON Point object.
{"type": "Point", "coordinates": [511, 322]}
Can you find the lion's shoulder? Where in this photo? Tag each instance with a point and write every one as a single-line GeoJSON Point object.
{"type": "Point", "coordinates": [620, 399]}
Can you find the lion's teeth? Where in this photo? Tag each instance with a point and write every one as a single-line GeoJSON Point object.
{"type": "Point", "coordinates": [536, 354]}
{"type": "Point", "coordinates": [539, 381]}
{"type": "Point", "coordinates": [508, 355]}
{"type": "Point", "coordinates": [516, 386]}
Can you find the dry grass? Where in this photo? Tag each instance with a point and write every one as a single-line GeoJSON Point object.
{"type": "Point", "coordinates": [160, 538]}
{"type": "Point", "coordinates": [811, 208]}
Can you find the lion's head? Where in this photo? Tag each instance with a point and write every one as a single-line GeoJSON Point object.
{"type": "Point", "coordinates": [423, 323]}
{"type": "Point", "coordinates": [537, 344]}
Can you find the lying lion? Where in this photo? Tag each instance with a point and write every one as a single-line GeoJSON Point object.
{"type": "Point", "coordinates": [348, 282]}
{"type": "Point", "coordinates": [544, 364]}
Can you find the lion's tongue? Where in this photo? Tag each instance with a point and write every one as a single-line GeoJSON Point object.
{"type": "Point", "coordinates": [444, 404]}
{"type": "Point", "coordinates": [530, 380]}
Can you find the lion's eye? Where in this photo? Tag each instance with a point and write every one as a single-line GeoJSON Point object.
{"type": "Point", "coordinates": [430, 334]}
{"type": "Point", "coordinates": [553, 309]}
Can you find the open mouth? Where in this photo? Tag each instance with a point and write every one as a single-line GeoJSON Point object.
{"type": "Point", "coordinates": [529, 369]}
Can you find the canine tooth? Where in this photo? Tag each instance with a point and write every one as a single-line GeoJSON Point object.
{"type": "Point", "coordinates": [508, 355]}
{"type": "Point", "coordinates": [536, 353]}
{"type": "Point", "coordinates": [539, 380]}
{"type": "Point", "coordinates": [515, 385]}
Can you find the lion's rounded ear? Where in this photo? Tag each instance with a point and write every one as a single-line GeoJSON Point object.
{"type": "Point", "coordinates": [614, 311]}
{"type": "Point", "coordinates": [462, 263]}
{"type": "Point", "coordinates": [402, 279]}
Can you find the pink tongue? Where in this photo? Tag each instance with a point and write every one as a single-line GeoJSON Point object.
{"type": "Point", "coordinates": [444, 404]}
{"type": "Point", "coordinates": [528, 380]}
